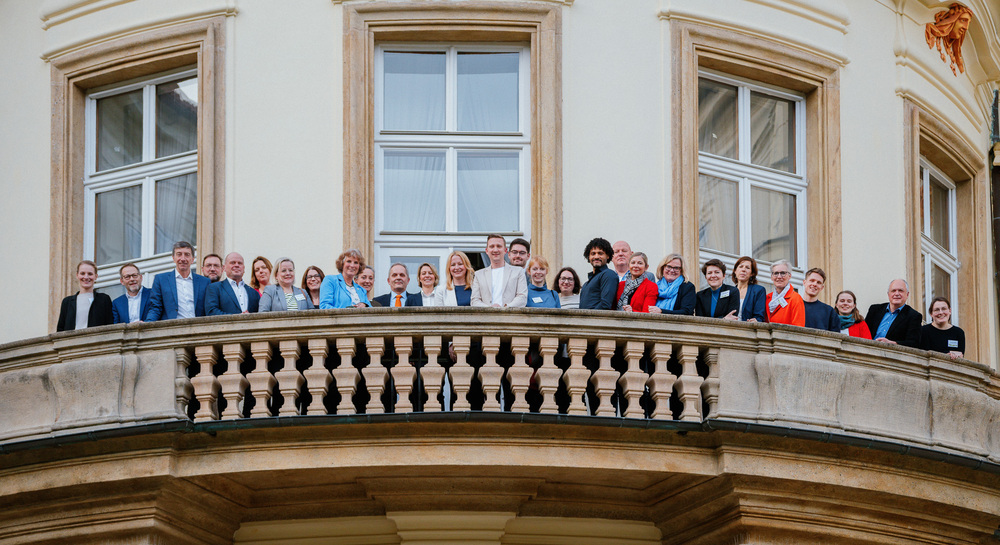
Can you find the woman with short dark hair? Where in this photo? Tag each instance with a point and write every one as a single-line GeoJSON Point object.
{"type": "Point", "coordinates": [940, 335]}
{"type": "Point", "coordinates": [718, 300]}
{"type": "Point", "coordinates": [568, 286]}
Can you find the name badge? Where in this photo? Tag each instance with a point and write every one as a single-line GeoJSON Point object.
{"type": "Point", "coordinates": [952, 343]}
{"type": "Point", "coordinates": [300, 297]}
{"type": "Point", "coordinates": [536, 299]}
{"type": "Point", "coordinates": [724, 294]}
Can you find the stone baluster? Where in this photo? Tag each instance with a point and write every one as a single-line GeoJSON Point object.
{"type": "Point", "coordinates": [318, 377]}
{"type": "Point", "coordinates": [689, 384]}
{"type": "Point", "coordinates": [605, 378]}
{"type": "Point", "coordinates": [289, 378]}
{"type": "Point", "coordinates": [376, 375]}
{"type": "Point", "coordinates": [233, 382]}
{"type": "Point", "coordinates": [432, 373]}
{"type": "Point", "coordinates": [346, 375]}
{"type": "Point", "coordinates": [576, 376]}
{"type": "Point", "coordinates": [261, 380]}
{"type": "Point", "coordinates": [633, 381]}
{"type": "Point", "coordinates": [519, 374]}
{"type": "Point", "coordinates": [710, 389]}
{"type": "Point", "coordinates": [206, 386]}
{"type": "Point", "coordinates": [661, 382]}
{"type": "Point", "coordinates": [491, 373]}
{"type": "Point", "coordinates": [403, 374]}
{"type": "Point", "coordinates": [461, 373]}
{"type": "Point", "coordinates": [548, 374]}
{"type": "Point", "coordinates": [182, 384]}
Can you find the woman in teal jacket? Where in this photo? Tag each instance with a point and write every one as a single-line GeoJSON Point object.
{"type": "Point", "coordinates": [539, 295]}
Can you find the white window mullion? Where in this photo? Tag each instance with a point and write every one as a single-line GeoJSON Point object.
{"type": "Point", "coordinates": [743, 114]}
{"type": "Point", "coordinates": [451, 90]}
{"type": "Point", "coordinates": [148, 123]}
{"type": "Point", "coordinates": [90, 137]}
{"type": "Point", "coordinates": [745, 218]}
{"type": "Point", "coordinates": [148, 216]}
{"type": "Point", "coordinates": [451, 190]}
{"type": "Point", "coordinates": [89, 208]}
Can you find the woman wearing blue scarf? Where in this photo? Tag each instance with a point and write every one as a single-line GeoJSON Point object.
{"type": "Point", "coordinates": [676, 295]}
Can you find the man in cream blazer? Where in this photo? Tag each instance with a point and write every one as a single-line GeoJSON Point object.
{"type": "Point", "coordinates": [500, 285]}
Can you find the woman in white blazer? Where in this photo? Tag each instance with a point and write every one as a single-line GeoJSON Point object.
{"type": "Point", "coordinates": [282, 295]}
{"type": "Point", "coordinates": [428, 279]}
{"type": "Point", "coordinates": [457, 290]}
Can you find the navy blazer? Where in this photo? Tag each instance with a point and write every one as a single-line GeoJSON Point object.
{"type": "Point", "coordinates": [221, 299]}
{"type": "Point", "coordinates": [119, 307]}
{"type": "Point", "coordinates": [684, 305]}
{"type": "Point", "coordinates": [905, 329]}
{"type": "Point", "coordinates": [753, 303]}
{"type": "Point", "coordinates": [729, 300]}
{"type": "Point", "coordinates": [389, 300]}
{"type": "Point", "coordinates": [163, 301]}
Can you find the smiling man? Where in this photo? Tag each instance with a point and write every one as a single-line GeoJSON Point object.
{"type": "Point", "coordinates": [134, 305]}
{"type": "Point", "coordinates": [501, 285]}
{"type": "Point", "coordinates": [179, 293]}
{"type": "Point", "coordinates": [398, 279]}
{"type": "Point", "coordinates": [231, 295]}
{"type": "Point", "coordinates": [895, 322]}
{"type": "Point", "coordinates": [602, 284]}
{"type": "Point", "coordinates": [819, 315]}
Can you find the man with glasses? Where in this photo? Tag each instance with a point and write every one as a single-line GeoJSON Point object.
{"type": "Point", "coordinates": [211, 267]}
{"type": "Point", "coordinates": [784, 305]}
{"type": "Point", "coordinates": [134, 305]}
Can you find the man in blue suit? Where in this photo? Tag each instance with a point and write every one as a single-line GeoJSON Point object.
{"type": "Point", "coordinates": [179, 293]}
{"type": "Point", "coordinates": [230, 295]}
{"type": "Point", "coordinates": [134, 305]}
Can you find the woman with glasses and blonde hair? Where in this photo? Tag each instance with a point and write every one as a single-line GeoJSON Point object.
{"type": "Point", "coordinates": [457, 290]}
{"type": "Point", "coordinates": [675, 295]}
{"type": "Point", "coordinates": [283, 294]}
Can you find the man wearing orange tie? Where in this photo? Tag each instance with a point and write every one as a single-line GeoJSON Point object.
{"type": "Point", "coordinates": [398, 279]}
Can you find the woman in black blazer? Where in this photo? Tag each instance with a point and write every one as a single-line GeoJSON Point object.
{"type": "Point", "coordinates": [99, 304]}
{"type": "Point", "coordinates": [727, 298]}
{"type": "Point", "coordinates": [753, 296]}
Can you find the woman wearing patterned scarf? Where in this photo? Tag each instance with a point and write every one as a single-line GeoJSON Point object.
{"type": "Point", "coordinates": [637, 293]}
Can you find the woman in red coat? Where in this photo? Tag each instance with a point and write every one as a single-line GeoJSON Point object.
{"type": "Point", "coordinates": [637, 293]}
{"type": "Point", "coordinates": [851, 321]}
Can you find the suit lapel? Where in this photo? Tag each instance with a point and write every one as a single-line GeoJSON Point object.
{"type": "Point", "coordinates": [232, 294]}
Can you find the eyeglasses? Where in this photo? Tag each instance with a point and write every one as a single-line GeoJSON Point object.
{"type": "Point", "coordinates": [673, 269]}
{"type": "Point", "coordinates": [568, 280]}
{"type": "Point", "coordinates": [517, 252]}
{"type": "Point", "coordinates": [312, 277]}
{"type": "Point", "coordinates": [780, 273]}
{"type": "Point", "coordinates": [129, 276]}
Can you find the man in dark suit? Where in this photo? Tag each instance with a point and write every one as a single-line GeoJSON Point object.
{"type": "Point", "coordinates": [179, 293]}
{"type": "Point", "coordinates": [134, 305]}
{"type": "Point", "coordinates": [231, 295]}
{"type": "Point", "coordinates": [399, 278]}
{"type": "Point", "coordinates": [895, 322]}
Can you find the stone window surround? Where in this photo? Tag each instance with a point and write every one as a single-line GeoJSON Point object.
{"type": "Point", "coordinates": [698, 46]}
{"type": "Point", "coordinates": [537, 25]}
{"type": "Point", "coordinates": [926, 135]}
{"type": "Point", "coordinates": [200, 43]}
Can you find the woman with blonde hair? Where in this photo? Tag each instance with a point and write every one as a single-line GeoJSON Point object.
{"type": "Point", "coordinates": [675, 295]}
{"type": "Point", "coordinates": [283, 294]}
{"type": "Point", "coordinates": [341, 290]}
{"type": "Point", "coordinates": [428, 279]}
{"type": "Point", "coordinates": [457, 290]}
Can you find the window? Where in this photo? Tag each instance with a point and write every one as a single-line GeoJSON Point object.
{"type": "Point", "coordinates": [938, 237]}
{"type": "Point", "coordinates": [452, 149]}
{"type": "Point", "coordinates": [140, 186]}
{"type": "Point", "coordinates": [751, 182]}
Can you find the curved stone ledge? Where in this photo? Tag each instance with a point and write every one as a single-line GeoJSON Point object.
{"type": "Point", "coordinates": [646, 367]}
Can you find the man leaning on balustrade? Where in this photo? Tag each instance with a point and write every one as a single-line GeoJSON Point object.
{"type": "Point", "coordinates": [232, 295]}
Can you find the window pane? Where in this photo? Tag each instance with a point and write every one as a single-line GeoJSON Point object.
{"type": "Point", "coordinates": [119, 130]}
{"type": "Point", "coordinates": [414, 191]}
{"type": "Point", "coordinates": [176, 117]}
{"type": "Point", "coordinates": [414, 91]}
{"type": "Point", "coordinates": [118, 229]}
{"type": "Point", "coordinates": [940, 228]}
{"type": "Point", "coordinates": [718, 123]}
{"type": "Point", "coordinates": [487, 91]}
{"type": "Point", "coordinates": [940, 283]}
{"type": "Point", "coordinates": [176, 211]}
{"type": "Point", "coordinates": [488, 196]}
{"type": "Point", "coordinates": [772, 132]}
{"type": "Point", "coordinates": [773, 225]}
{"type": "Point", "coordinates": [718, 220]}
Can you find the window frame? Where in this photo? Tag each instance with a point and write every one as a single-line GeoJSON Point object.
{"type": "Point", "coordinates": [933, 253]}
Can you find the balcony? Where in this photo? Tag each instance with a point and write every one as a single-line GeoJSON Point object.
{"type": "Point", "coordinates": [519, 426]}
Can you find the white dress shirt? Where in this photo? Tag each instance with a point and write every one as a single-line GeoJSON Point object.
{"type": "Point", "coordinates": [185, 295]}
{"type": "Point", "coordinates": [241, 293]}
{"type": "Point", "coordinates": [134, 307]}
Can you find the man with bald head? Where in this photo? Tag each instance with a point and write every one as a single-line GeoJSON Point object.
{"type": "Point", "coordinates": [619, 261]}
{"type": "Point", "coordinates": [895, 322]}
{"type": "Point", "coordinates": [231, 295]}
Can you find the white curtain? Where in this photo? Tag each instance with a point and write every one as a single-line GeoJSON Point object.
{"type": "Point", "coordinates": [176, 117]}
{"type": "Point", "coordinates": [413, 91]}
{"type": "Point", "coordinates": [488, 196]}
{"type": "Point", "coordinates": [718, 123]}
{"type": "Point", "coordinates": [773, 230]}
{"type": "Point", "coordinates": [487, 92]}
{"type": "Point", "coordinates": [772, 132]}
{"type": "Point", "coordinates": [119, 130]}
{"type": "Point", "coordinates": [413, 190]}
{"type": "Point", "coordinates": [940, 214]}
{"type": "Point", "coordinates": [719, 214]}
{"type": "Point", "coordinates": [118, 230]}
{"type": "Point", "coordinates": [176, 211]}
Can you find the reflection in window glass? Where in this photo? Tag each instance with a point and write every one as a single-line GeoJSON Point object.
{"type": "Point", "coordinates": [718, 123]}
{"type": "Point", "coordinates": [176, 211]}
{"type": "Point", "coordinates": [414, 91]}
{"type": "Point", "coordinates": [773, 226]}
{"type": "Point", "coordinates": [940, 213]}
{"type": "Point", "coordinates": [487, 92]}
{"type": "Point", "coordinates": [772, 132]}
{"type": "Point", "coordinates": [176, 117]}
{"type": "Point", "coordinates": [940, 283]}
{"type": "Point", "coordinates": [118, 233]}
{"type": "Point", "coordinates": [718, 219]}
{"type": "Point", "coordinates": [488, 193]}
{"type": "Point", "coordinates": [119, 130]}
{"type": "Point", "coordinates": [414, 191]}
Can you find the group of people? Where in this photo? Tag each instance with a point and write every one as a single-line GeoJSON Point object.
{"type": "Point", "coordinates": [620, 281]}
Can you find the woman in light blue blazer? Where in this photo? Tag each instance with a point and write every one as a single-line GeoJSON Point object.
{"type": "Point", "coordinates": [282, 294]}
{"type": "Point", "coordinates": [341, 290]}
{"type": "Point", "coordinates": [752, 294]}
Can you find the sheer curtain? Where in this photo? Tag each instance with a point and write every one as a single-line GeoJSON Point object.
{"type": "Point", "coordinates": [176, 117]}
{"type": "Point", "coordinates": [719, 214]}
{"type": "Point", "coordinates": [118, 232]}
{"type": "Point", "coordinates": [718, 122]}
{"type": "Point", "coordinates": [414, 190]}
{"type": "Point", "coordinates": [413, 91]}
{"type": "Point", "coordinates": [119, 130]}
{"type": "Point", "coordinates": [487, 92]}
{"type": "Point", "coordinates": [488, 196]}
{"type": "Point", "coordinates": [772, 132]}
{"type": "Point", "coordinates": [774, 231]}
{"type": "Point", "coordinates": [176, 211]}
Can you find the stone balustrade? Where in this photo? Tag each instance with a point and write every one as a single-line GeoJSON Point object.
{"type": "Point", "coordinates": [596, 364]}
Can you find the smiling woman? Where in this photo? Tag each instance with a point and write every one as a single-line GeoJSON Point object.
{"type": "Point", "coordinates": [283, 294]}
{"type": "Point", "coordinates": [85, 308]}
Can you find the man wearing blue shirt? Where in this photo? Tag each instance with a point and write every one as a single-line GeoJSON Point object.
{"type": "Point", "coordinates": [895, 322]}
